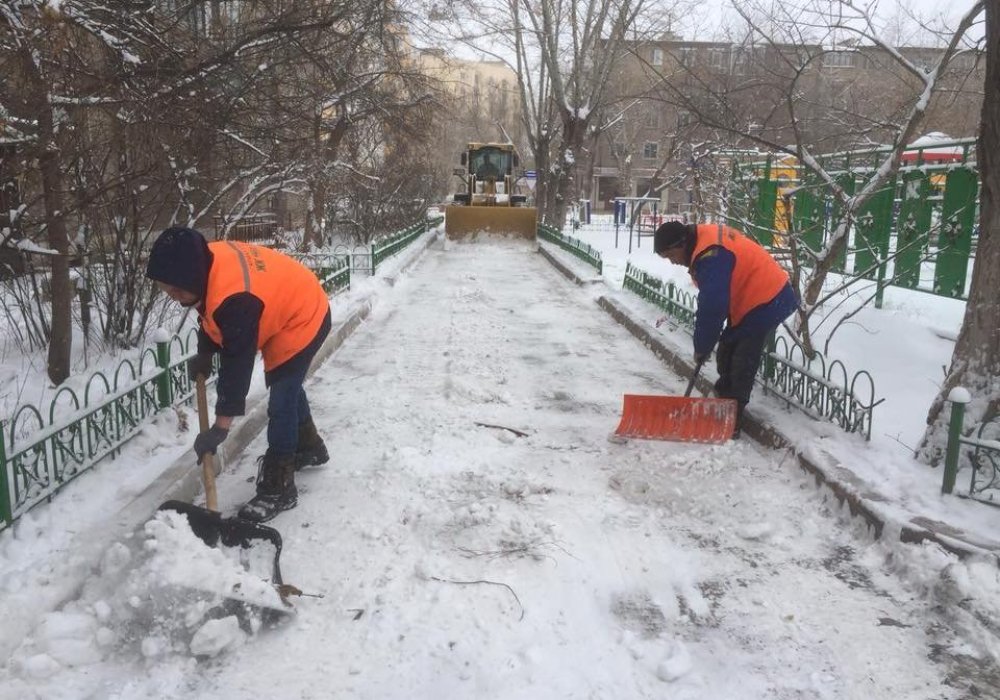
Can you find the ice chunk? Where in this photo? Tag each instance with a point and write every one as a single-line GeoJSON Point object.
{"type": "Point", "coordinates": [216, 635]}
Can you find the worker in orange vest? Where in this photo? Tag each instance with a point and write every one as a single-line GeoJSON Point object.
{"type": "Point", "coordinates": [740, 286]}
{"type": "Point", "coordinates": [251, 298]}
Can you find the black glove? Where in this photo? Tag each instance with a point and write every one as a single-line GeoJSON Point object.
{"type": "Point", "coordinates": [700, 357]}
{"type": "Point", "coordinates": [200, 364]}
{"type": "Point", "coordinates": [208, 441]}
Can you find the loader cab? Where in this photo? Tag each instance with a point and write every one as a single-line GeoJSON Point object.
{"type": "Point", "coordinates": [489, 162]}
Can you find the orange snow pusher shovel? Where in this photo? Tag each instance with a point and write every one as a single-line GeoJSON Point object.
{"type": "Point", "coordinates": [213, 529]}
{"type": "Point", "coordinates": [678, 418]}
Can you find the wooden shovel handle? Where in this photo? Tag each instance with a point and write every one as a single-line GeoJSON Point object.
{"type": "Point", "coordinates": [208, 461]}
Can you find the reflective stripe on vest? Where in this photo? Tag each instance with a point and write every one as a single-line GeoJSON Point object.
{"type": "Point", "coordinates": [757, 277]}
{"type": "Point", "coordinates": [294, 302]}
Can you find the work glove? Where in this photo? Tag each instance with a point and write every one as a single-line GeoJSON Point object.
{"type": "Point", "coordinates": [208, 441]}
{"type": "Point", "coordinates": [200, 364]}
{"type": "Point", "coordinates": [700, 357]}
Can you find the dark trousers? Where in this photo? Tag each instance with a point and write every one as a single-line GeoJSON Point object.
{"type": "Point", "coordinates": [738, 357]}
{"type": "Point", "coordinates": [741, 347]}
{"type": "Point", "coordinates": [287, 404]}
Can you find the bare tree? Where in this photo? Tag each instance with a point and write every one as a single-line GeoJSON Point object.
{"type": "Point", "coordinates": [61, 63]}
{"type": "Point", "coordinates": [782, 106]}
{"type": "Point", "coordinates": [975, 362]}
{"type": "Point", "coordinates": [117, 120]}
{"type": "Point", "coordinates": [563, 52]}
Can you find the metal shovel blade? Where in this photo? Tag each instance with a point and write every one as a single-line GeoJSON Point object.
{"type": "Point", "coordinates": [677, 418]}
{"type": "Point", "coordinates": [214, 530]}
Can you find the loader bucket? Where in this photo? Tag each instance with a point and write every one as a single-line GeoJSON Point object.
{"type": "Point", "coordinates": [467, 221]}
{"type": "Point", "coordinates": [677, 418]}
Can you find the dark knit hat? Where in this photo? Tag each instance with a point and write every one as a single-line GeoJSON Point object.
{"type": "Point", "coordinates": [671, 234]}
{"type": "Point", "coordinates": [180, 257]}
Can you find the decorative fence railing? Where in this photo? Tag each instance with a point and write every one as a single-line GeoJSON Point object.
{"type": "Point", "coordinates": [917, 232]}
{"type": "Point", "coordinates": [584, 252]}
{"type": "Point", "coordinates": [40, 452]}
{"type": "Point", "coordinates": [332, 269]}
{"type": "Point", "coordinates": [981, 447]}
{"type": "Point", "coordinates": [815, 386]}
{"type": "Point", "coordinates": [678, 304]}
{"type": "Point", "coordinates": [252, 228]}
{"type": "Point", "coordinates": [395, 242]}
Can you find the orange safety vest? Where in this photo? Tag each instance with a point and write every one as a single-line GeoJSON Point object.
{"type": "Point", "coordinates": [757, 277]}
{"type": "Point", "coordinates": [294, 301]}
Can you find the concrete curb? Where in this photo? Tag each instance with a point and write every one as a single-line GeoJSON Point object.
{"type": "Point", "coordinates": [565, 269]}
{"type": "Point", "coordinates": [839, 480]}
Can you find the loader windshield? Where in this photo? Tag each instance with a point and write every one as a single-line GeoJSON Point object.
{"type": "Point", "coordinates": [490, 163]}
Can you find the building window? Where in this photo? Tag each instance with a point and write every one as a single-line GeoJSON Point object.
{"type": "Point", "coordinates": [653, 118]}
{"type": "Point", "coordinates": [718, 58]}
{"type": "Point", "coordinates": [741, 60]}
{"type": "Point", "coordinates": [687, 56]}
{"type": "Point", "coordinates": [840, 59]}
{"type": "Point", "coordinates": [657, 57]}
{"type": "Point", "coordinates": [684, 119]}
{"type": "Point", "coordinates": [650, 150]}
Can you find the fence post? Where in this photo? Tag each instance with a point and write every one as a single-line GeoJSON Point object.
{"type": "Point", "coordinates": [6, 512]}
{"type": "Point", "coordinates": [163, 381]}
{"type": "Point", "coordinates": [958, 397]}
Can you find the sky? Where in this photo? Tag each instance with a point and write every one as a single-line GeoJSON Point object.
{"type": "Point", "coordinates": [708, 19]}
{"type": "Point", "coordinates": [458, 558]}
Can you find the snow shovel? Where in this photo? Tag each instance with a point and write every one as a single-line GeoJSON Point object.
{"type": "Point", "coordinates": [209, 525]}
{"type": "Point", "coordinates": [678, 418]}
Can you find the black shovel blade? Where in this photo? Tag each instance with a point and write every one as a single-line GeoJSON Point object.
{"type": "Point", "coordinates": [212, 529]}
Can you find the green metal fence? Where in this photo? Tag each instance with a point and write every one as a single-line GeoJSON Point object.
{"type": "Point", "coordinates": [581, 250]}
{"type": "Point", "coordinates": [678, 304]}
{"type": "Point", "coordinates": [395, 242]}
{"type": "Point", "coordinates": [981, 448]}
{"type": "Point", "coordinates": [818, 387]}
{"type": "Point", "coordinates": [332, 269]}
{"type": "Point", "coordinates": [40, 452]}
{"type": "Point", "coordinates": [917, 232]}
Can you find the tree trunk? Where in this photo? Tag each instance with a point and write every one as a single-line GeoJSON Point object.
{"type": "Point", "coordinates": [313, 233]}
{"type": "Point", "coordinates": [570, 150]}
{"type": "Point", "coordinates": [975, 363]}
{"type": "Point", "coordinates": [542, 180]}
{"type": "Point", "coordinates": [61, 337]}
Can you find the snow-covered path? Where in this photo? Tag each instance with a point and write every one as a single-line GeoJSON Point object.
{"type": "Point", "coordinates": [463, 561]}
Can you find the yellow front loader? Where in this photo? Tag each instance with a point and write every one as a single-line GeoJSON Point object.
{"type": "Point", "coordinates": [490, 203]}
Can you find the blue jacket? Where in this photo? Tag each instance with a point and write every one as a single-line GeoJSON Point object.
{"type": "Point", "coordinates": [713, 271]}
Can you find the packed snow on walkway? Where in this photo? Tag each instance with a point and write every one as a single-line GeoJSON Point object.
{"type": "Point", "coordinates": [477, 535]}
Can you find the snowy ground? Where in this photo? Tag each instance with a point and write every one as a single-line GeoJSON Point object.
{"type": "Point", "coordinates": [463, 561]}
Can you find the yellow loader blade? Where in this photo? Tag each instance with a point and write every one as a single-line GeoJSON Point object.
{"type": "Point", "coordinates": [466, 221]}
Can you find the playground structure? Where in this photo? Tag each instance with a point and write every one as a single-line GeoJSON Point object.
{"type": "Point", "coordinates": [918, 231]}
{"type": "Point", "coordinates": [641, 216]}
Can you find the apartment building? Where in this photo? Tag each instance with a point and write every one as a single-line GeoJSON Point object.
{"type": "Point", "coordinates": [676, 102]}
{"type": "Point", "coordinates": [481, 96]}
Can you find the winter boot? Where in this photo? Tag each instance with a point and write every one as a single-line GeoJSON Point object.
{"type": "Point", "coordinates": [311, 450]}
{"type": "Point", "coordinates": [738, 427]}
{"type": "Point", "coordinates": [275, 488]}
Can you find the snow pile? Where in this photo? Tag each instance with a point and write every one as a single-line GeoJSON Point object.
{"type": "Point", "coordinates": [168, 595]}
